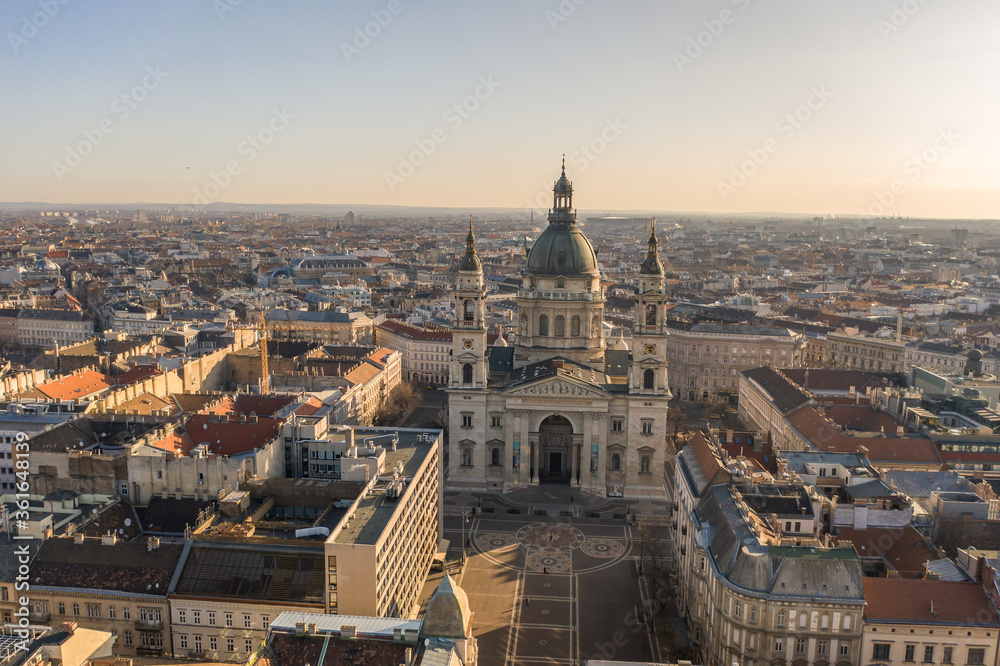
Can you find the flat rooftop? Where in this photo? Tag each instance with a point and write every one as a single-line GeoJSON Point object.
{"type": "Point", "coordinates": [375, 509]}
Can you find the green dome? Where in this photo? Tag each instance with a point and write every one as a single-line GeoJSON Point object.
{"type": "Point", "coordinates": [562, 249]}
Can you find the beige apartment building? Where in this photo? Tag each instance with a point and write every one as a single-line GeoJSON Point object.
{"type": "Point", "coordinates": [706, 359]}
{"type": "Point", "coordinates": [426, 352]}
{"type": "Point", "coordinates": [853, 351]}
{"type": "Point", "coordinates": [107, 585]}
{"type": "Point", "coordinates": [226, 595]}
{"type": "Point", "coordinates": [329, 327]}
{"type": "Point", "coordinates": [48, 328]}
{"type": "Point", "coordinates": [932, 622]}
{"type": "Point", "coordinates": [756, 600]}
{"type": "Point", "coordinates": [378, 555]}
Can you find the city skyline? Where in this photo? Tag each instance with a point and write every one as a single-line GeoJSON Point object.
{"type": "Point", "coordinates": [868, 108]}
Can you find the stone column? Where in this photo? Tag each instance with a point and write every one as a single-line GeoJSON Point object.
{"type": "Point", "coordinates": [522, 474]}
{"type": "Point", "coordinates": [574, 452]}
{"type": "Point", "coordinates": [534, 461]}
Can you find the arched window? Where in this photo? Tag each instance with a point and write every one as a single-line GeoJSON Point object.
{"type": "Point", "coordinates": [543, 325]}
{"type": "Point", "coordinates": [470, 310]}
{"type": "Point", "coordinates": [559, 326]}
{"type": "Point", "coordinates": [574, 326]}
{"type": "Point", "coordinates": [616, 462]}
{"type": "Point", "coordinates": [62, 608]}
{"type": "Point", "coordinates": [495, 457]}
{"type": "Point", "coordinates": [467, 373]}
{"type": "Point", "coordinates": [560, 283]}
{"type": "Point", "coordinates": [595, 327]}
{"type": "Point", "coordinates": [650, 314]}
{"type": "Point", "coordinates": [648, 378]}
{"type": "Point", "coordinates": [644, 465]}
{"type": "Point", "coordinates": [76, 609]}
{"type": "Point", "coordinates": [781, 619]}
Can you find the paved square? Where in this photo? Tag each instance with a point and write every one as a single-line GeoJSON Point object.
{"type": "Point", "coordinates": [550, 591]}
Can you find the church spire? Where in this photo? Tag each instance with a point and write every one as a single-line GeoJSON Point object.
{"type": "Point", "coordinates": [652, 265]}
{"type": "Point", "coordinates": [562, 199]}
{"type": "Point", "coordinates": [470, 262]}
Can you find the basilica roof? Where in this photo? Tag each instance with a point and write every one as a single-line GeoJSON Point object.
{"type": "Point", "coordinates": [557, 367]}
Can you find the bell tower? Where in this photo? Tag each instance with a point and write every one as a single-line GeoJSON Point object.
{"type": "Point", "coordinates": [468, 337]}
{"type": "Point", "coordinates": [649, 333]}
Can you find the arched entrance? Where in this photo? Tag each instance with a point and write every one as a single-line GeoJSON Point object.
{"type": "Point", "coordinates": [555, 438]}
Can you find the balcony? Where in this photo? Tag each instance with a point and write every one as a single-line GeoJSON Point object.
{"type": "Point", "coordinates": [149, 625]}
{"type": "Point", "coordinates": [559, 295]}
{"type": "Point", "coordinates": [39, 618]}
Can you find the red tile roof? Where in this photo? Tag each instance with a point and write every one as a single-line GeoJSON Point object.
{"type": "Point", "coordinates": [78, 385]}
{"type": "Point", "coordinates": [907, 600]}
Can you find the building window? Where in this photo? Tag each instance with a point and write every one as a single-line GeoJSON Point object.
{"type": "Point", "coordinates": [265, 621]}
{"type": "Point", "coordinates": [976, 655]}
{"type": "Point", "coordinates": [197, 616]}
{"type": "Point", "coordinates": [820, 647]}
{"type": "Point", "coordinates": [648, 379]}
{"type": "Point", "coordinates": [559, 326]}
{"type": "Point", "coordinates": [229, 619]}
{"type": "Point", "coordinates": [737, 610]}
{"type": "Point", "coordinates": [126, 613]}
{"type": "Point", "coordinates": [616, 462]}
{"type": "Point", "coordinates": [248, 644]}
{"type": "Point", "coordinates": [779, 645]}
{"type": "Point", "coordinates": [467, 373]}
{"type": "Point", "coordinates": [929, 654]}
{"type": "Point", "coordinates": [128, 638]}
{"type": "Point", "coordinates": [111, 612]}
{"type": "Point", "coordinates": [211, 618]}
{"type": "Point", "coordinates": [62, 608]}
{"type": "Point", "coordinates": [880, 651]}
{"type": "Point", "coordinates": [495, 457]}
{"type": "Point", "coordinates": [574, 326]}
{"type": "Point", "coordinates": [496, 420]}
{"type": "Point", "coordinates": [845, 649]}
{"type": "Point", "coordinates": [543, 325]}
{"type": "Point", "coordinates": [213, 643]}
{"type": "Point", "coordinates": [230, 645]}
{"type": "Point", "coordinates": [647, 427]}
{"type": "Point", "coordinates": [800, 646]}
{"type": "Point", "coordinates": [93, 610]}
{"type": "Point", "coordinates": [466, 420]}
{"type": "Point", "coordinates": [76, 609]}
{"type": "Point", "coordinates": [183, 641]}
{"type": "Point", "coordinates": [182, 616]}
{"type": "Point", "coordinates": [197, 643]}
{"type": "Point", "coordinates": [617, 425]}
{"type": "Point", "coordinates": [909, 652]}
{"type": "Point", "coordinates": [946, 658]}
{"type": "Point", "coordinates": [246, 622]}
{"type": "Point", "coordinates": [781, 619]}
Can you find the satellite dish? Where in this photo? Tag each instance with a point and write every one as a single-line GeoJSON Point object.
{"type": "Point", "coordinates": [128, 522]}
{"type": "Point", "coordinates": [121, 530]}
{"type": "Point", "coordinates": [427, 642]}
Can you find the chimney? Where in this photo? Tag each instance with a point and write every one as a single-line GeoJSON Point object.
{"type": "Point", "coordinates": [78, 538]}
{"type": "Point", "coordinates": [153, 543]}
{"type": "Point", "coordinates": [70, 627]}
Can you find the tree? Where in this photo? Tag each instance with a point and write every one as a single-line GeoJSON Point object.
{"type": "Point", "coordinates": [403, 398]}
{"type": "Point", "coordinates": [679, 417]}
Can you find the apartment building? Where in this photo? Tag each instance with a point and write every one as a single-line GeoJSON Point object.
{"type": "Point", "coordinates": [426, 352]}
{"type": "Point", "coordinates": [948, 359]}
{"type": "Point", "coordinates": [850, 350]}
{"type": "Point", "coordinates": [706, 359]}
{"type": "Point", "coordinates": [766, 396]}
{"type": "Point", "coordinates": [756, 597]}
{"type": "Point", "coordinates": [378, 555]}
{"type": "Point", "coordinates": [907, 621]}
{"type": "Point", "coordinates": [47, 328]}
{"type": "Point", "coordinates": [108, 585]}
{"type": "Point", "coordinates": [225, 596]}
{"type": "Point", "coordinates": [326, 326]}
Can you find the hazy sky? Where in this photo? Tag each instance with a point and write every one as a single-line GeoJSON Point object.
{"type": "Point", "coordinates": [720, 105]}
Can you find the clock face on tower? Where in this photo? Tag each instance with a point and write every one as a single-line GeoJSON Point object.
{"type": "Point", "coordinates": [650, 349]}
{"type": "Point", "coordinates": [467, 343]}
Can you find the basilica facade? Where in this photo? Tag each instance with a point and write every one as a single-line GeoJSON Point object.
{"type": "Point", "coordinates": [559, 405]}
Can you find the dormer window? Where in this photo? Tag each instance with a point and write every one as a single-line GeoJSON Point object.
{"type": "Point", "coordinates": [560, 283]}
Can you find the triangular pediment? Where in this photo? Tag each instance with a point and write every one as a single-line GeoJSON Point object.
{"type": "Point", "coordinates": [557, 387]}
